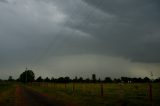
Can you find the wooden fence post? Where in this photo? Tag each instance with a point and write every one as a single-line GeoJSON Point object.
{"type": "Point", "coordinates": [102, 93]}
{"type": "Point", "coordinates": [150, 91]}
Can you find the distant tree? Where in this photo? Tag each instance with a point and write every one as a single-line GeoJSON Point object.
{"type": "Point", "coordinates": [61, 80]}
{"type": "Point", "coordinates": [117, 80]}
{"type": "Point", "coordinates": [75, 79]}
{"type": "Point", "coordinates": [39, 79]}
{"type": "Point", "coordinates": [140, 80]}
{"type": "Point", "coordinates": [46, 79]}
{"type": "Point", "coordinates": [80, 79]}
{"type": "Point", "coordinates": [146, 79]}
{"type": "Point", "coordinates": [10, 78]}
{"type": "Point", "coordinates": [137, 80]}
{"type": "Point", "coordinates": [87, 80]}
{"type": "Point", "coordinates": [99, 80]}
{"type": "Point", "coordinates": [67, 79]}
{"type": "Point", "coordinates": [94, 78]}
{"type": "Point", "coordinates": [108, 79]}
{"type": "Point", "coordinates": [27, 76]}
{"type": "Point", "coordinates": [125, 79]}
{"type": "Point", "coordinates": [53, 79]}
{"type": "Point", "coordinates": [157, 80]}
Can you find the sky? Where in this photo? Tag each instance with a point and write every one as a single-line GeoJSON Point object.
{"type": "Point", "coordinates": [54, 38]}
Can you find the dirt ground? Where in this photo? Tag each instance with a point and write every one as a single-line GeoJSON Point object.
{"type": "Point", "coordinates": [28, 97]}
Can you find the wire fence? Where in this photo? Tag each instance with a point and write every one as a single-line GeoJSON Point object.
{"type": "Point", "coordinates": [140, 91]}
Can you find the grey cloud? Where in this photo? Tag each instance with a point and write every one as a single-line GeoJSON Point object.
{"type": "Point", "coordinates": [5, 1]}
{"type": "Point", "coordinates": [127, 29]}
{"type": "Point", "coordinates": [34, 31]}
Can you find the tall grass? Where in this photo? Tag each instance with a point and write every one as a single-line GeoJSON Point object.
{"type": "Point", "coordinates": [7, 94]}
{"type": "Point", "coordinates": [89, 94]}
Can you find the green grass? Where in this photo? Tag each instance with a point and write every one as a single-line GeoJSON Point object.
{"type": "Point", "coordinates": [114, 94]}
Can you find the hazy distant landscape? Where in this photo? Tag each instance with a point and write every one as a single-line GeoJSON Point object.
{"type": "Point", "coordinates": [79, 52]}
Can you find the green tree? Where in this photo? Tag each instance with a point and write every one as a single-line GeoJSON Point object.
{"type": "Point", "coordinates": [27, 76]}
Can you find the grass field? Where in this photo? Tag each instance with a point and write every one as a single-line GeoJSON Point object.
{"type": "Point", "coordinates": [85, 94]}
{"type": "Point", "coordinates": [113, 94]}
{"type": "Point", "coordinates": [6, 94]}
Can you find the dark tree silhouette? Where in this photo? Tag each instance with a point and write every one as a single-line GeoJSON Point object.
{"type": "Point", "coordinates": [108, 79]}
{"type": "Point", "coordinates": [146, 79]}
{"type": "Point", "coordinates": [87, 80]}
{"type": "Point", "coordinates": [75, 79]}
{"type": "Point", "coordinates": [99, 80]}
{"type": "Point", "coordinates": [53, 79]}
{"type": "Point", "coordinates": [67, 79]}
{"type": "Point", "coordinates": [94, 78]}
{"type": "Point", "coordinates": [117, 80]}
{"type": "Point", "coordinates": [137, 80]}
{"type": "Point", "coordinates": [80, 79]}
{"type": "Point", "coordinates": [27, 76]}
{"type": "Point", "coordinates": [125, 79]}
{"type": "Point", "coordinates": [10, 78]}
{"type": "Point", "coordinates": [39, 79]}
{"type": "Point", "coordinates": [47, 79]}
{"type": "Point", "coordinates": [157, 80]}
{"type": "Point", "coordinates": [61, 80]}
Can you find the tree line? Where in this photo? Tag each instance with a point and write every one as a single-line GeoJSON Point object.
{"type": "Point", "coordinates": [29, 76]}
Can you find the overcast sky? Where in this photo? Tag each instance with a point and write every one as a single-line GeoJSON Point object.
{"type": "Point", "coordinates": [80, 37]}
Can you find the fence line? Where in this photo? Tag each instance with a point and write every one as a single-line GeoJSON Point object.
{"type": "Point", "coordinates": [99, 88]}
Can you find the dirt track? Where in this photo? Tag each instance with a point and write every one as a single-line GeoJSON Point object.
{"type": "Point", "coordinates": [28, 97]}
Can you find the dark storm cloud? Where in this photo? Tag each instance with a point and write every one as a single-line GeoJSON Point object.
{"type": "Point", "coordinates": [120, 28]}
{"type": "Point", "coordinates": [80, 31]}
{"type": "Point", "coordinates": [123, 28]}
{"type": "Point", "coordinates": [131, 29]}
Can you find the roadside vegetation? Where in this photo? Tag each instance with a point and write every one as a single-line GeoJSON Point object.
{"type": "Point", "coordinates": [113, 94]}
{"type": "Point", "coordinates": [7, 94]}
